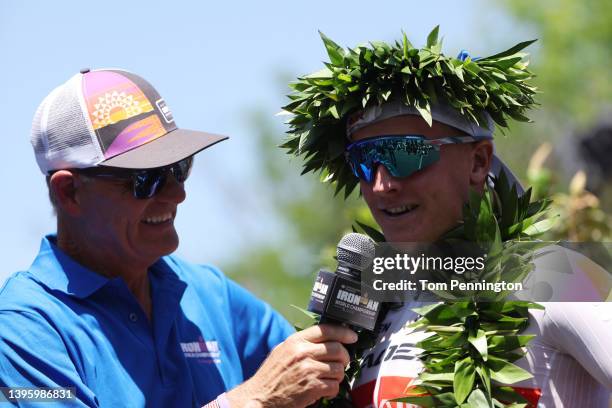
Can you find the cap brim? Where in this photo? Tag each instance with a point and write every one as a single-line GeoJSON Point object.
{"type": "Point", "coordinates": [167, 149]}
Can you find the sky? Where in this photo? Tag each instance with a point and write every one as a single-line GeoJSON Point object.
{"type": "Point", "coordinates": [214, 63]}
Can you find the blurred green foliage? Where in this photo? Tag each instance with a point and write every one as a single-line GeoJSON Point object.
{"type": "Point", "coordinates": [574, 54]}
{"type": "Point", "coordinates": [571, 61]}
{"type": "Point", "coordinates": [581, 218]}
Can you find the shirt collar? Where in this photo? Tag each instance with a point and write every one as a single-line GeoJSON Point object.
{"type": "Point", "coordinates": [58, 271]}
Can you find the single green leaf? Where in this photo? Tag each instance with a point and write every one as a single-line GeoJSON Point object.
{"type": "Point", "coordinates": [334, 51]}
{"type": "Point", "coordinates": [324, 73]}
{"type": "Point", "coordinates": [426, 401]}
{"type": "Point", "coordinates": [425, 111]}
{"type": "Point", "coordinates": [406, 70]}
{"type": "Point", "coordinates": [513, 89]}
{"type": "Point", "coordinates": [439, 377]}
{"type": "Point", "coordinates": [406, 45]}
{"type": "Point", "coordinates": [423, 310]}
{"type": "Point", "coordinates": [432, 38]}
{"type": "Point", "coordinates": [453, 341]}
{"type": "Point", "coordinates": [477, 399]}
{"type": "Point", "coordinates": [463, 379]}
{"type": "Point", "coordinates": [308, 313]}
{"type": "Point", "coordinates": [334, 111]}
{"type": "Point", "coordinates": [472, 67]}
{"type": "Point", "coordinates": [540, 227]}
{"type": "Point", "coordinates": [485, 378]}
{"type": "Point", "coordinates": [480, 343]}
{"type": "Point", "coordinates": [504, 63]}
{"type": "Point", "coordinates": [345, 77]}
{"type": "Point", "coordinates": [509, 51]}
{"type": "Point", "coordinates": [512, 305]}
{"type": "Point", "coordinates": [505, 372]}
{"type": "Point", "coordinates": [306, 139]}
{"type": "Point", "coordinates": [509, 343]}
{"type": "Point", "coordinates": [444, 399]}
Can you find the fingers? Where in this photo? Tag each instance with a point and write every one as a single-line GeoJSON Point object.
{"type": "Point", "coordinates": [329, 351]}
{"type": "Point", "coordinates": [297, 348]}
{"type": "Point", "coordinates": [331, 371]}
{"type": "Point", "coordinates": [328, 332]}
{"type": "Point", "coordinates": [305, 367]}
{"type": "Point", "coordinates": [330, 388]}
{"type": "Point", "coordinates": [324, 380]}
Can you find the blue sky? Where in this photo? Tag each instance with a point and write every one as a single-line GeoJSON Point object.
{"type": "Point", "coordinates": [213, 62]}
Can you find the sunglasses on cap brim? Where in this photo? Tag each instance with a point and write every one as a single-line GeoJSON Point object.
{"type": "Point", "coordinates": [145, 182]}
{"type": "Point", "coordinates": [402, 155]}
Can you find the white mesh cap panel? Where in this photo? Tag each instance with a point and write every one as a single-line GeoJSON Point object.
{"type": "Point", "coordinates": [38, 137]}
{"type": "Point", "coordinates": [61, 134]}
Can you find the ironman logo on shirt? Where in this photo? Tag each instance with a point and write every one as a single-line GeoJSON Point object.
{"type": "Point", "coordinates": [204, 351]}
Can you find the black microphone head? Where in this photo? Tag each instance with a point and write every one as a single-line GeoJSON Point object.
{"type": "Point", "coordinates": [356, 251]}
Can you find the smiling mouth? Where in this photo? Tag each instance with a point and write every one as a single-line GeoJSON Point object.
{"type": "Point", "coordinates": [161, 219]}
{"type": "Point", "coordinates": [399, 211]}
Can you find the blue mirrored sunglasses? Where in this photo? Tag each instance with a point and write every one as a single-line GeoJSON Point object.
{"type": "Point", "coordinates": [145, 182]}
{"type": "Point", "coordinates": [402, 155]}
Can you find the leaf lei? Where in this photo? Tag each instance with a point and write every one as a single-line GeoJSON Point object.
{"type": "Point", "coordinates": [367, 75]}
{"type": "Point", "coordinates": [475, 343]}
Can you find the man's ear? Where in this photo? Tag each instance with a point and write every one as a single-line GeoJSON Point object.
{"type": "Point", "coordinates": [65, 185]}
{"type": "Point", "coordinates": [482, 157]}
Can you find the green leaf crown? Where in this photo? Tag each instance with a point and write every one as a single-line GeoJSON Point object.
{"type": "Point", "coordinates": [369, 75]}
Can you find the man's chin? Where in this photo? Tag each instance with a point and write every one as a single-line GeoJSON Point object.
{"type": "Point", "coordinates": [167, 246]}
{"type": "Point", "coordinates": [403, 232]}
{"type": "Point", "coordinates": [410, 236]}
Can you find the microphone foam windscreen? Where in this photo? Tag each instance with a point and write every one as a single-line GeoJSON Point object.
{"type": "Point", "coordinates": [356, 250]}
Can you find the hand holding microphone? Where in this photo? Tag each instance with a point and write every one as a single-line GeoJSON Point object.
{"type": "Point", "coordinates": [309, 365]}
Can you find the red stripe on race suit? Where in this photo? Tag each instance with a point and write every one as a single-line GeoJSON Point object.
{"type": "Point", "coordinates": [362, 395]}
{"type": "Point", "coordinates": [392, 387]}
{"type": "Point", "coordinates": [530, 394]}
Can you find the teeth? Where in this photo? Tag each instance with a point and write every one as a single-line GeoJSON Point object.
{"type": "Point", "coordinates": [402, 209]}
{"type": "Point", "coordinates": [158, 219]}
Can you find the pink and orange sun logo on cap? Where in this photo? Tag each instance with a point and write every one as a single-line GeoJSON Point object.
{"type": "Point", "coordinates": [125, 111]}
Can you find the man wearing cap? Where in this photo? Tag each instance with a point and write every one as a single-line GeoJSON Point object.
{"type": "Point", "coordinates": [413, 129]}
{"type": "Point", "coordinates": [105, 311]}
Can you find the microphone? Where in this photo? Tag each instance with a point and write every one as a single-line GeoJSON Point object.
{"type": "Point", "coordinates": [337, 296]}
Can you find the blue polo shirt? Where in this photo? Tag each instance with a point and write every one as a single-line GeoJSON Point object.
{"type": "Point", "coordinates": [64, 325]}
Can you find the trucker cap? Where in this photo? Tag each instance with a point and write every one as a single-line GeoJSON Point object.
{"type": "Point", "coordinates": [110, 117]}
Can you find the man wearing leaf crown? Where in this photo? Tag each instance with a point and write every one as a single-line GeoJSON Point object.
{"type": "Point", "coordinates": [414, 129]}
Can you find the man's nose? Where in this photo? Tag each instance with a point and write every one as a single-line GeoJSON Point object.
{"type": "Point", "coordinates": [384, 182]}
{"type": "Point", "coordinates": [172, 190]}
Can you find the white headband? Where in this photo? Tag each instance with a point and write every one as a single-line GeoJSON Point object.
{"type": "Point", "coordinates": [442, 113]}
